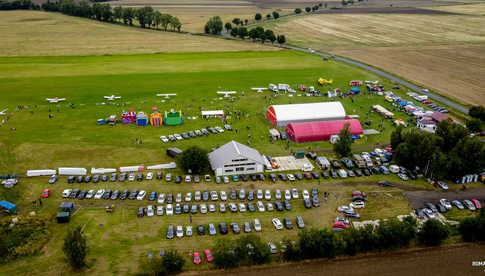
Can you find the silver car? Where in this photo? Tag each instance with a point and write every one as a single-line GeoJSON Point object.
{"type": "Point", "coordinates": [212, 229]}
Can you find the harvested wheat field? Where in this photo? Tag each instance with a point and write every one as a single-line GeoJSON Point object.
{"type": "Point", "coordinates": [444, 52]}
{"type": "Point", "coordinates": [455, 71]}
{"type": "Point", "coordinates": [35, 33]}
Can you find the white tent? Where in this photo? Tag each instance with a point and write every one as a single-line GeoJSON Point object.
{"type": "Point", "coordinates": [212, 113]}
{"type": "Point", "coordinates": [31, 173]}
{"type": "Point", "coordinates": [281, 115]}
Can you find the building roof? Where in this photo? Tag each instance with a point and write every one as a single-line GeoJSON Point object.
{"type": "Point", "coordinates": [438, 116]}
{"type": "Point", "coordinates": [319, 111]}
{"type": "Point", "coordinates": [317, 131]}
{"type": "Point", "coordinates": [221, 156]}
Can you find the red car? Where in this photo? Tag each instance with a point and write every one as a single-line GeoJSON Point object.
{"type": "Point", "coordinates": [208, 255]}
{"type": "Point", "coordinates": [46, 193]}
{"type": "Point", "coordinates": [197, 259]}
{"type": "Point", "coordinates": [426, 102]}
{"type": "Point", "coordinates": [477, 203]}
{"type": "Point", "coordinates": [341, 225]}
{"type": "Point", "coordinates": [308, 176]}
{"type": "Point", "coordinates": [359, 193]}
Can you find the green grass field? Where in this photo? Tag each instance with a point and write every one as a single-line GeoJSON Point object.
{"type": "Point", "coordinates": [72, 138]}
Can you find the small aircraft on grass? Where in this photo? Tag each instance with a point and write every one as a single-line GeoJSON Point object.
{"type": "Point", "coordinates": [4, 112]}
{"type": "Point", "coordinates": [55, 100]}
{"type": "Point", "coordinates": [167, 96]}
{"type": "Point", "coordinates": [226, 93]}
{"type": "Point", "coordinates": [258, 89]}
{"type": "Point", "coordinates": [112, 97]}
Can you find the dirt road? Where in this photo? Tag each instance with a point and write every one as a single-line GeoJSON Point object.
{"type": "Point", "coordinates": [418, 198]}
{"type": "Point", "coordinates": [453, 260]}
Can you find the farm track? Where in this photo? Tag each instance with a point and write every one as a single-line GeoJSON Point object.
{"type": "Point", "coordinates": [446, 260]}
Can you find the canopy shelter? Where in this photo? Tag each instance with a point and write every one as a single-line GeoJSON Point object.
{"type": "Point", "coordinates": [321, 131]}
{"type": "Point", "coordinates": [282, 115]}
{"type": "Point", "coordinates": [212, 113]}
{"type": "Point", "coordinates": [9, 207]}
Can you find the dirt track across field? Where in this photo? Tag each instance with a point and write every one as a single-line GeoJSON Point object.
{"type": "Point", "coordinates": [418, 198]}
{"type": "Point", "coordinates": [452, 260]}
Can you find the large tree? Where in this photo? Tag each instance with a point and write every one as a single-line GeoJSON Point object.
{"type": "Point", "coordinates": [75, 248]}
{"type": "Point", "coordinates": [343, 147]}
{"type": "Point", "coordinates": [214, 25]}
{"type": "Point", "coordinates": [194, 159]}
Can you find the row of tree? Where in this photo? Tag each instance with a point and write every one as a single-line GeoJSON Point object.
{"type": "Point", "coordinates": [311, 9]}
{"type": "Point", "coordinates": [323, 243]}
{"type": "Point", "coordinates": [449, 153]}
{"type": "Point", "coordinates": [215, 26]}
{"type": "Point", "coordinates": [146, 16]}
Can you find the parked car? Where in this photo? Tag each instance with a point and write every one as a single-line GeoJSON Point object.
{"type": "Point", "coordinates": [223, 228]}
{"type": "Point", "coordinates": [458, 204]}
{"type": "Point", "coordinates": [46, 193]}
{"type": "Point", "coordinates": [288, 223]}
{"type": "Point", "coordinates": [299, 222]}
{"type": "Point", "coordinates": [257, 225]}
{"type": "Point", "coordinates": [179, 232]}
{"type": "Point", "coordinates": [208, 255]}
{"type": "Point", "coordinates": [477, 203]}
{"type": "Point", "coordinates": [53, 179]}
{"type": "Point", "coordinates": [141, 195]}
{"type": "Point", "coordinates": [277, 223]}
{"type": "Point", "coordinates": [468, 204]}
{"type": "Point", "coordinates": [446, 203]}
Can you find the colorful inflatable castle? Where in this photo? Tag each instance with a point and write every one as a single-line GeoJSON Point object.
{"type": "Point", "coordinates": [155, 117]}
{"type": "Point", "coordinates": [173, 118]}
{"type": "Point", "coordinates": [141, 119]}
{"type": "Point", "coordinates": [128, 117]}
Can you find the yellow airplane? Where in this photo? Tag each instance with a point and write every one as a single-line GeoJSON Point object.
{"type": "Point", "coordinates": [324, 81]}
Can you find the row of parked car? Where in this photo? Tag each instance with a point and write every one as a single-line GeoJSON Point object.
{"type": "Point", "coordinates": [205, 195]}
{"type": "Point", "coordinates": [180, 232]}
{"type": "Point", "coordinates": [359, 200]}
{"type": "Point", "coordinates": [444, 205]}
{"type": "Point", "coordinates": [195, 133]}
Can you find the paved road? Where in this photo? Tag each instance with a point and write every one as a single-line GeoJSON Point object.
{"type": "Point", "coordinates": [375, 71]}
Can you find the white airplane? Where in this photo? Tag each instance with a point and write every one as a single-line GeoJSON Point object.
{"type": "Point", "coordinates": [167, 96]}
{"type": "Point", "coordinates": [226, 93]}
{"type": "Point", "coordinates": [260, 90]}
{"type": "Point", "coordinates": [55, 100]}
{"type": "Point", "coordinates": [112, 97]}
{"type": "Point", "coordinates": [4, 112]}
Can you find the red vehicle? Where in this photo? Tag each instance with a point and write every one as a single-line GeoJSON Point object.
{"type": "Point", "coordinates": [341, 225]}
{"type": "Point", "coordinates": [197, 259]}
{"type": "Point", "coordinates": [359, 193]}
{"type": "Point", "coordinates": [477, 203]}
{"type": "Point", "coordinates": [426, 102]}
{"type": "Point", "coordinates": [308, 176]}
{"type": "Point", "coordinates": [208, 255]}
{"type": "Point", "coordinates": [46, 193]}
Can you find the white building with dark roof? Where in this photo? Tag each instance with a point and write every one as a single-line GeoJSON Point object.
{"type": "Point", "coordinates": [236, 158]}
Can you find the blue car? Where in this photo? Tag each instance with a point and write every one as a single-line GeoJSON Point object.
{"type": "Point", "coordinates": [153, 196]}
{"type": "Point", "coordinates": [235, 178]}
{"type": "Point", "coordinates": [384, 170]}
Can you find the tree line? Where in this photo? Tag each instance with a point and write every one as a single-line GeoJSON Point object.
{"type": "Point", "coordinates": [146, 16]}
{"type": "Point", "coordinates": [449, 153]}
{"type": "Point", "coordinates": [215, 26]}
{"type": "Point", "coordinates": [324, 243]}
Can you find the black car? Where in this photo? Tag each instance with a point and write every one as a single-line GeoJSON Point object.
{"type": "Point", "coordinates": [178, 209]}
{"type": "Point", "coordinates": [80, 179]}
{"type": "Point", "coordinates": [74, 193]}
{"type": "Point", "coordinates": [287, 205]}
{"type": "Point", "coordinates": [272, 176]}
{"type": "Point", "coordinates": [71, 179]}
{"type": "Point", "coordinates": [366, 172]}
{"type": "Point", "coordinates": [141, 213]}
{"type": "Point", "coordinates": [194, 208]}
{"type": "Point", "coordinates": [87, 179]}
{"type": "Point", "coordinates": [279, 206]}
{"type": "Point", "coordinates": [133, 194]}
{"type": "Point", "coordinates": [186, 208]}
{"type": "Point", "coordinates": [139, 177]}
{"type": "Point", "coordinates": [314, 191]}
{"type": "Point", "coordinates": [244, 178]}
{"type": "Point", "coordinates": [191, 134]}
{"type": "Point", "coordinates": [159, 175]}
{"type": "Point", "coordinates": [288, 223]}
{"type": "Point", "coordinates": [205, 195]}
{"type": "Point", "coordinates": [253, 177]}
{"type": "Point", "coordinates": [282, 177]}
{"type": "Point", "coordinates": [315, 175]}
{"type": "Point", "coordinates": [201, 230]}
{"type": "Point", "coordinates": [384, 183]}
{"type": "Point", "coordinates": [233, 195]}
{"type": "Point", "coordinates": [251, 195]}
{"type": "Point", "coordinates": [325, 175]}
{"type": "Point", "coordinates": [104, 178]}
{"type": "Point", "coordinates": [235, 228]}
{"type": "Point", "coordinates": [169, 198]}
{"type": "Point", "coordinates": [178, 179]}
{"type": "Point", "coordinates": [95, 178]}
{"type": "Point", "coordinates": [170, 231]}
{"type": "Point", "coordinates": [251, 207]}
{"type": "Point", "coordinates": [358, 172]}
{"type": "Point", "coordinates": [261, 177]}
{"type": "Point", "coordinates": [307, 203]}
{"type": "Point", "coordinates": [115, 195]}
{"type": "Point", "coordinates": [315, 201]}
{"type": "Point", "coordinates": [419, 213]}
{"type": "Point", "coordinates": [82, 194]}
{"type": "Point", "coordinates": [107, 194]}
{"type": "Point", "coordinates": [375, 170]}
{"type": "Point", "coordinates": [298, 176]}
{"type": "Point", "coordinates": [333, 174]}
{"type": "Point", "coordinates": [431, 206]}
{"type": "Point", "coordinates": [113, 177]}
{"type": "Point", "coordinates": [124, 194]}
{"type": "Point", "coordinates": [223, 228]}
